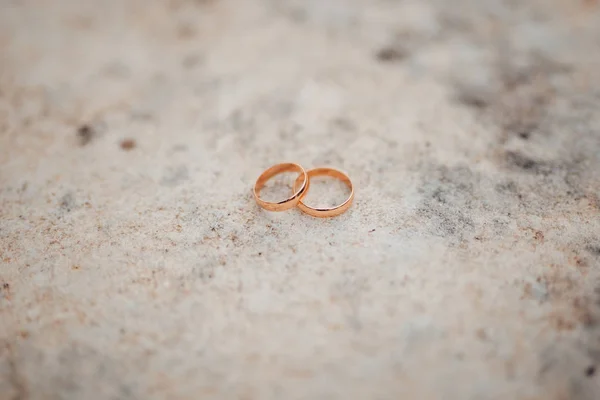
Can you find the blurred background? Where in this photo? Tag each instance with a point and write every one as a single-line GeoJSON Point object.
{"type": "Point", "coordinates": [135, 264]}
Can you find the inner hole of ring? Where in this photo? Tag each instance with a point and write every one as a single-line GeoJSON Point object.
{"type": "Point", "coordinates": [326, 192]}
{"type": "Point", "coordinates": [279, 187]}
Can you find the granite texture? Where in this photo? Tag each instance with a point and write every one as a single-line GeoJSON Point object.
{"type": "Point", "coordinates": [136, 265]}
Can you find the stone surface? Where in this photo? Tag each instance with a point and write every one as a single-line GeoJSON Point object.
{"type": "Point", "coordinates": [135, 263]}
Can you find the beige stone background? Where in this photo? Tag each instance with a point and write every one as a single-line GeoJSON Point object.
{"type": "Point", "coordinates": [136, 265]}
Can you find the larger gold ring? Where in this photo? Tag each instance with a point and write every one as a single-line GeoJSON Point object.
{"type": "Point", "coordinates": [332, 211]}
{"type": "Point", "coordinates": [290, 202]}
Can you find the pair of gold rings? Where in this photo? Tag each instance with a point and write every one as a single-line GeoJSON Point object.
{"type": "Point", "coordinates": [300, 188]}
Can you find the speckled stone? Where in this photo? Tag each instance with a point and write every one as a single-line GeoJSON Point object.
{"type": "Point", "coordinates": [136, 265]}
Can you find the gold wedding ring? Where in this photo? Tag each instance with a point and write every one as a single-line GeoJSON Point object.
{"type": "Point", "coordinates": [331, 211]}
{"type": "Point", "coordinates": [300, 186]}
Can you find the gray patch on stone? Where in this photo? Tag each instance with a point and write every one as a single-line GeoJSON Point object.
{"type": "Point", "coordinates": [67, 202]}
{"type": "Point", "coordinates": [447, 197]}
{"type": "Point", "coordinates": [175, 176]}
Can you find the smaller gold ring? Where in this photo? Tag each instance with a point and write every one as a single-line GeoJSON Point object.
{"type": "Point", "coordinates": [290, 202]}
{"type": "Point", "coordinates": [331, 211]}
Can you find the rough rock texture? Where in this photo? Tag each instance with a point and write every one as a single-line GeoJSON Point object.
{"type": "Point", "coordinates": [136, 265]}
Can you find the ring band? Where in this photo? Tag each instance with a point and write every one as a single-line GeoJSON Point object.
{"type": "Point", "coordinates": [332, 211]}
{"type": "Point", "coordinates": [290, 202]}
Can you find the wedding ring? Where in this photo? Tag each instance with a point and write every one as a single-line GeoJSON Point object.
{"type": "Point", "coordinates": [300, 186]}
{"type": "Point", "coordinates": [331, 211]}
